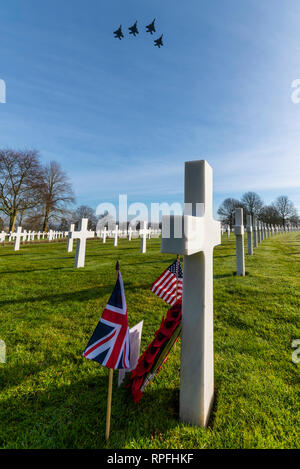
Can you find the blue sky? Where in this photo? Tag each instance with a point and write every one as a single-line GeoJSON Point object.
{"type": "Point", "coordinates": [123, 116]}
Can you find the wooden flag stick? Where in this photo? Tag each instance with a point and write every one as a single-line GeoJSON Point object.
{"type": "Point", "coordinates": [109, 398]}
{"type": "Point", "coordinates": [177, 274]}
{"type": "Point", "coordinates": [110, 384]}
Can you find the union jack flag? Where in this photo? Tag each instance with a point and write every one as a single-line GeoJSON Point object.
{"type": "Point", "coordinates": [166, 286]}
{"type": "Point", "coordinates": [109, 344]}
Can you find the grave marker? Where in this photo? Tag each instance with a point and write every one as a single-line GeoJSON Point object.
{"type": "Point", "coordinates": [250, 235]}
{"type": "Point", "coordinates": [81, 235]}
{"type": "Point", "coordinates": [143, 235]}
{"type": "Point", "coordinates": [18, 237]}
{"type": "Point", "coordinates": [201, 235]}
{"type": "Point", "coordinates": [70, 239]}
{"type": "Point", "coordinates": [239, 234]}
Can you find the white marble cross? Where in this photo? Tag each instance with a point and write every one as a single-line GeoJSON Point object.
{"type": "Point", "coordinates": [115, 233]}
{"type": "Point", "coordinates": [239, 235]}
{"type": "Point", "coordinates": [18, 237]}
{"type": "Point", "coordinates": [81, 235]}
{"type": "Point", "coordinates": [143, 235]}
{"type": "Point", "coordinates": [129, 233]}
{"type": "Point", "coordinates": [104, 233]}
{"type": "Point", "coordinates": [2, 236]}
{"type": "Point", "coordinates": [255, 232]}
{"type": "Point", "coordinates": [258, 232]}
{"type": "Point", "coordinates": [250, 235]}
{"type": "Point", "coordinates": [201, 234]}
{"type": "Point", "coordinates": [70, 239]}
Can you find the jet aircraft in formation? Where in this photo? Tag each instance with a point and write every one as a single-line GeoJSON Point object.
{"type": "Point", "coordinates": [151, 28]}
{"type": "Point", "coordinates": [159, 42]}
{"type": "Point", "coordinates": [134, 31]}
{"type": "Point", "coordinates": [118, 33]}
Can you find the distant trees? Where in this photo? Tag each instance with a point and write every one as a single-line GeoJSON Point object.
{"type": "Point", "coordinates": [30, 192]}
{"type": "Point", "coordinates": [20, 182]}
{"type": "Point", "coordinates": [84, 211]}
{"type": "Point", "coordinates": [280, 212]}
{"type": "Point", "coordinates": [269, 214]}
{"type": "Point", "coordinates": [285, 209]}
{"type": "Point", "coordinates": [56, 193]}
{"type": "Point", "coordinates": [226, 210]}
{"type": "Point", "coordinates": [252, 203]}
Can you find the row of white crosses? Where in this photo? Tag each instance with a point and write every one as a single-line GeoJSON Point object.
{"type": "Point", "coordinates": [28, 236]}
{"type": "Point", "coordinates": [82, 234]}
{"type": "Point", "coordinates": [116, 233]}
{"type": "Point", "coordinates": [257, 231]}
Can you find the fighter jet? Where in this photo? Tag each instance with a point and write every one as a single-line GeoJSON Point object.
{"type": "Point", "coordinates": [118, 34]}
{"type": "Point", "coordinates": [151, 28]}
{"type": "Point", "coordinates": [159, 42]}
{"type": "Point", "coordinates": [134, 30]}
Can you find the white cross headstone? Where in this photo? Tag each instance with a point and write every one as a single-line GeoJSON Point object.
{"type": "Point", "coordinates": [18, 237]}
{"type": "Point", "coordinates": [104, 233]}
{"type": "Point", "coordinates": [143, 235]}
{"type": "Point", "coordinates": [255, 230]}
{"type": "Point", "coordinates": [129, 233]}
{"type": "Point", "coordinates": [258, 232]}
{"type": "Point", "coordinates": [239, 234]}
{"type": "Point", "coordinates": [228, 231]}
{"type": "Point", "coordinates": [81, 235]}
{"type": "Point", "coordinates": [116, 232]}
{"type": "Point", "coordinates": [70, 239]}
{"type": "Point", "coordinates": [250, 235]}
{"type": "Point", "coordinates": [2, 237]}
{"type": "Point", "coordinates": [201, 235]}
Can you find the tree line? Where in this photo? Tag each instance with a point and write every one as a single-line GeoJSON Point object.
{"type": "Point", "coordinates": [41, 197]}
{"type": "Point", "coordinates": [280, 212]}
{"type": "Point", "coordinates": [38, 197]}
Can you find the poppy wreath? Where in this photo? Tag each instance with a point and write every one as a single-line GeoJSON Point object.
{"type": "Point", "coordinates": [155, 355]}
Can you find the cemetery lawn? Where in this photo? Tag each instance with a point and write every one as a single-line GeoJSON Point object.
{"type": "Point", "coordinates": [51, 397]}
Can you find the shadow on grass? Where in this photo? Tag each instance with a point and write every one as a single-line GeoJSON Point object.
{"type": "Point", "coordinates": [227, 255]}
{"type": "Point", "coordinates": [74, 415]}
{"type": "Point", "coordinates": [28, 271]}
{"type": "Point", "coordinates": [222, 276]}
{"type": "Point", "coordinates": [82, 295]}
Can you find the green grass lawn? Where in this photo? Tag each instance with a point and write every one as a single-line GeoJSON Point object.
{"type": "Point", "coordinates": [51, 397]}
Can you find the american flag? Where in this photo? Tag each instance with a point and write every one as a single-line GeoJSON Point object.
{"type": "Point", "coordinates": [165, 286]}
{"type": "Point", "coordinates": [109, 344]}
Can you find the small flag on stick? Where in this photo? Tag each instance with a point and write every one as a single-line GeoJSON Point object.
{"type": "Point", "coordinates": [169, 285]}
{"type": "Point", "coordinates": [109, 344]}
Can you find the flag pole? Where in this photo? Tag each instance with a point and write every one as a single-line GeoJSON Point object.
{"type": "Point", "coordinates": [177, 274]}
{"type": "Point", "coordinates": [110, 384]}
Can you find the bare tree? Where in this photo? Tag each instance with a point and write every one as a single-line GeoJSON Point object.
{"type": "Point", "coordinates": [84, 211]}
{"type": "Point", "coordinates": [269, 214]}
{"type": "Point", "coordinates": [20, 182]}
{"type": "Point", "coordinates": [252, 203]}
{"type": "Point", "coordinates": [227, 210]}
{"type": "Point", "coordinates": [56, 193]}
{"type": "Point", "coordinates": [285, 208]}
